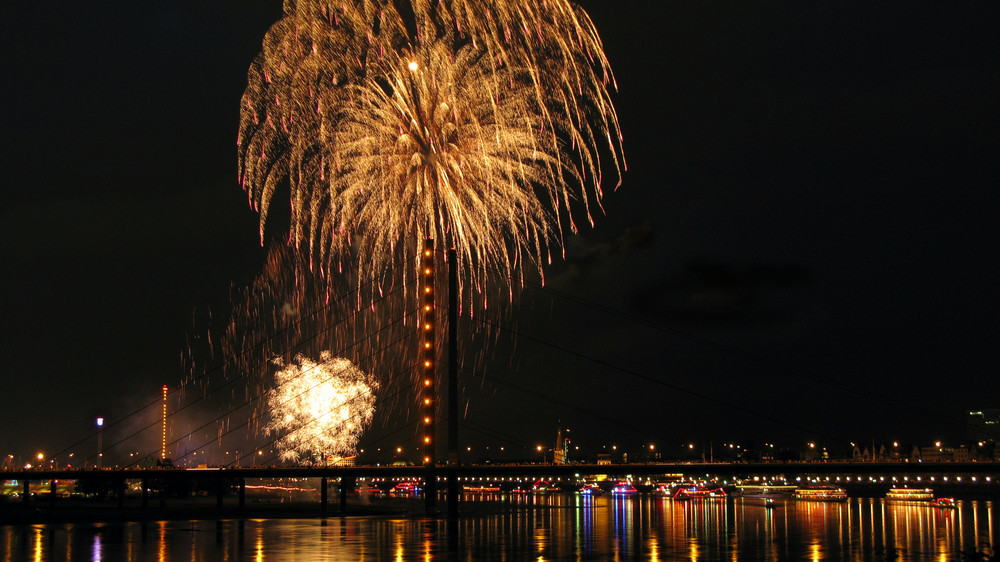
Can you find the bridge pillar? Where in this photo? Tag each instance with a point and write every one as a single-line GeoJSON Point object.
{"type": "Point", "coordinates": [25, 493]}
{"type": "Point", "coordinates": [145, 493]}
{"type": "Point", "coordinates": [453, 495]}
{"type": "Point", "coordinates": [346, 484]}
{"type": "Point", "coordinates": [322, 495]}
{"type": "Point", "coordinates": [430, 491]}
{"type": "Point", "coordinates": [243, 492]}
{"type": "Point", "coordinates": [120, 484]}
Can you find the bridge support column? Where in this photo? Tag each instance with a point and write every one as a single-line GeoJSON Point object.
{"type": "Point", "coordinates": [346, 483]}
{"type": "Point", "coordinates": [52, 492]}
{"type": "Point", "coordinates": [430, 491]}
{"type": "Point", "coordinates": [25, 493]}
{"type": "Point", "coordinates": [243, 493]}
{"type": "Point", "coordinates": [322, 495]}
{"type": "Point", "coordinates": [454, 493]}
{"type": "Point", "coordinates": [145, 493]}
{"type": "Point", "coordinates": [120, 484]}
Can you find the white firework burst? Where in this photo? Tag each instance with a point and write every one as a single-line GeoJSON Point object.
{"type": "Point", "coordinates": [319, 409]}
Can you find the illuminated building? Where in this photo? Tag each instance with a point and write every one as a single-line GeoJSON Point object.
{"type": "Point", "coordinates": [983, 425]}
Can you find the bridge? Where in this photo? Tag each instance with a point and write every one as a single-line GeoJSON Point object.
{"type": "Point", "coordinates": [971, 479]}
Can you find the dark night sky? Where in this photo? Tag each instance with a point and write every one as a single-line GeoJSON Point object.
{"type": "Point", "coordinates": [807, 230]}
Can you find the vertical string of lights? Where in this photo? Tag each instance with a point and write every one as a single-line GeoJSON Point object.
{"type": "Point", "coordinates": [427, 351]}
{"type": "Point", "coordinates": [163, 433]}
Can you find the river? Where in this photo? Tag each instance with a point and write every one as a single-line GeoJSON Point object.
{"type": "Point", "coordinates": [553, 527]}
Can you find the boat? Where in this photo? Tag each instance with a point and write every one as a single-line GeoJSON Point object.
{"type": "Point", "coordinates": [777, 491]}
{"type": "Point", "coordinates": [944, 503]}
{"type": "Point", "coordinates": [623, 487]}
{"type": "Point", "coordinates": [820, 494]}
{"type": "Point", "coordinates": [699, 492]}
{"type": "Point", "coordinates": [769, 503]}
{"type": "Point", "coordinates": [406, 487]}
{"type": "Point", "coordinates": [909, 495]}
{"type": "Point", "coordinates": [480, 489]}
{"type": "Point", "coordinates": [591, 490]}
{"type": "Point", "coordinates": [544, 487]}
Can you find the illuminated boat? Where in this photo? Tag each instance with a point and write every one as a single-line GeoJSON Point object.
{"type": "Point", "coordinates": [544, 487]}
{"type": "Point", "coordinates": [820, 494]}
{"type": "Point", "coordinates": [776, 491]}
{"type": "Point", "coordinates": [944, 503]}
{"type": "Point", "coordinates": [481, 489]}
{"type": "Point", "coordinates": [699, 492]}
{"type": "Point", "coordinates": [909, 495]}
{"type": "Point", "coordinates": [591, 490]}
{"type": "Point", "coordinates": [623, 487]}
{"type": "Point", "coordinates": [406, 487]}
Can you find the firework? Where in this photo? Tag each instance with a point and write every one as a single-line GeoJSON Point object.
{"type": "Point", "coordinates": [319, 409]}
{"type": "Point", "coordinates": [479, 124]}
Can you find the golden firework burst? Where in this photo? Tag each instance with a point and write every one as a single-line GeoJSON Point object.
{"type": "Point", "coordinates": [479, 124]}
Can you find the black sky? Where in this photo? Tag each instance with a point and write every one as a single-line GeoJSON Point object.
{"type": "Point", "coordinates": [804, 245]}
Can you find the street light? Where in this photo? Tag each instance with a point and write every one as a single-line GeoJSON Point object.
{"type": "Point", "coordinates": [100, 453]}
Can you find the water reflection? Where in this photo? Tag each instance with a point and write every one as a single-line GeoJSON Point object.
{"type": "Point", "coordinates": [553, 526]}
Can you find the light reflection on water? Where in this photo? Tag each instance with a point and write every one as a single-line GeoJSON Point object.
{"type": "Point", "coordinates": [543, 527]}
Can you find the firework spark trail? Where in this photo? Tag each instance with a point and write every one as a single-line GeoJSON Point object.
{"type": "Point", "coordinates": [481, 125]}
{"type": "Point", "coordinates": [319, 408]}
{"type": "Point", "coordinates": [266, 394]}
{"type": "Point", "coordinates": [289, 310]}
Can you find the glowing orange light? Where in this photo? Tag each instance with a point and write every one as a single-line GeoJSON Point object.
{"type": "Point", "coordinates": [427, 271]}
{"type": "Point", "coordinates": [427, 344]}
{"type": "Point", "coordinates": [427, 420]}
{"type": "Point", "coordinates": [163, 434]}
{"type": "Point", "coordinates": [427, 326]}
{"type": "Point", "coordinates": [427, 439]}
{"type": "Point", "coordinates": [427, 363]}
{"type": "Point", "coordinates": [427, 383]}
{"type": "Point", "coordinates": [427, 400]}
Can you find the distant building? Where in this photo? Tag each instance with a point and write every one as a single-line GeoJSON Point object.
{"type": "Point", "coordinates": [983, 425]}
{"type": "Point", "coordinates": [937, 453]}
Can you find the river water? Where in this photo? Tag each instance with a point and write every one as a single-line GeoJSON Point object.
{"type": "Point", "coordinates": [555, 527]}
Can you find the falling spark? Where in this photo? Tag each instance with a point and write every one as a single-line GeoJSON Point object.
{"type": "Point", "coordinates": [319, 409]}
{"type": "Point", "coordinates": [480, 124]}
